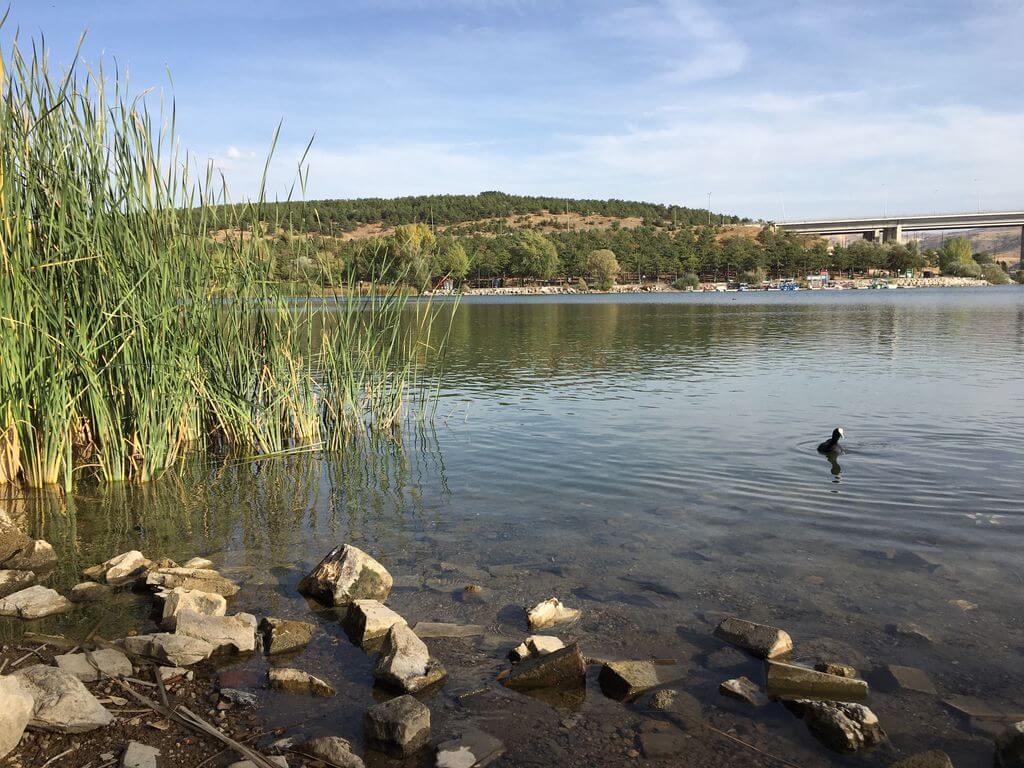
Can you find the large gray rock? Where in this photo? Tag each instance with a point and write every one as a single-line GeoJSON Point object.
{"type": "Point", "coordinates": [548, 613]}
{"type": "Point", "coordinates": [625, 680]}
{"type": "Point", "coordinates": [346, 574]}
{"type": "Point", "coordinates": [195, 600]}
{"type": "Point", "coordinates": [16, 708]}
{"type": "Point", "coordinates": [404, 662]}
{"type": "Point", "coordinates": [369, 619]}
{"type": "Point", "coordinates": [296, 681]}
{"type": "Point", "coordinates": [60, 701]}
{"type": "Point", "coordinates": [562, 668]}
{"type": "Point", "coordinates": [399, 727]}
{"type": "Point", "coordinates": [35, 555]}
{"type": "Point", "coordinates": [794, 681]}
{"type": "Point", "coordinates": [202, 579]}
{"type": "Point", "coordinates": [174, 649]}
{"type": "Point", "coordinates": [282, 635]}
{"type": "Point", "coordinates": [15, 581]}
{"type": "Point", "coordinates": [137, 755]}
{"type": "Point", "coordinates": [472, 749]}
{"type": "Point", "coordinates": [95, 665]}
{"type": "Point", "coordinates": [231, 634]}
{"type": "Point", "coordinates": [842, 726]}
{"type": "Point", "coordinates": [1010, 747]}
{"type": "Point", "coordinates": [334, 750]}
{"type": "Point", "coordinates": [88, 592]}
{"type": "Point", "coordinates": [759, 639]}
{"type": "Point", "coordinates": [935, 758]}
{"type": "Point", "coordinates": [34, 603]}
{"type": "Point", "coordinates": [126, 568]}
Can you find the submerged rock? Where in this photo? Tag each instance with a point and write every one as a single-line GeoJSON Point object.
{"type": "Point", "coordinates": [278, 760]}
{"type": "Point", "coordinates": [911, 679]}
{"type": "Point", "coordinates": [60, 701]}
{"type": "Point", "coordinates": [16, 706]}
{"type": "Point", "coordinates": [137, 755]}
{"type": "Point", "coordinates": [334, 750]}
{"type": "Point", "coordinates": [791, 680]}
{"type": "Point", "coordinates": [88, 592]}
{"type": "Point", "coordinates": [34, 603]}
{"type": "Point", "coordinates": [174, 649]}
{"type": "Point", "coordinates": [35, 555]}
{"type": "Point", "coordinates": [1010, 747]}
{"type": "Point", "coordinates": [235, 633]}
{"type": "Point", "coordinates": [743, 689]}
{"type": "Point", "coordinates": [623, 680]}
{"type": "Point", "coordinates": [842, 726]}
{"type": "Point", "coordinates": [346, 574]}
{"type": "Point", "coordinates": [534, 646]}
{"type": "Point", "coordinates": [471, 749]}
{"type": "Point", "coordinates": [283, 635]}
{"type": "Point", "coordinates": [429, 629]}
{"type": "Point", "coordinates": [759, 639]}
{"type": "Point", "coordinates": [404, 662]}
{"type": "Point", "coordinates": [660, 739]}
{"type": "Point", "coordinates": [550, 612]}
{"type": "Point", "coordinates": [93, 666]}
{"type": "Point", "coordinates": [202, 579]}
{"type": "Point", "coordinates": [369, 619]}
{"type": "Point", "coordinates": [935, 758]}
{"type": "Point", "coordinates": [562, 668]}
{"type": "Point", "coordinates": [910, 631]}
{"type": "Point", "coordinates": [14, 581]}
{"type": "Point", "coordinates": [399, 727]}
{"type": "Point", "coordinates": [297, 681]}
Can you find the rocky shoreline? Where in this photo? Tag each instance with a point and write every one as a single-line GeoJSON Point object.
{"type": "Point", "coordinates": [136, 702]}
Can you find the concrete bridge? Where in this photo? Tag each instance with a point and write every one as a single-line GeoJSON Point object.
{"type": "Point", "coordinates": [890, 229]}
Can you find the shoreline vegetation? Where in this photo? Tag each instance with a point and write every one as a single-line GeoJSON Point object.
{"type": "Point", "coordinates": [129, 336]}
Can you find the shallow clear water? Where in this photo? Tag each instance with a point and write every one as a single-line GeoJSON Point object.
{"type": "Point", "coordinates": [651, 459]}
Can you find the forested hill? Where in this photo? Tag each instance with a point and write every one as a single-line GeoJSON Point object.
{"type": "Point", "coordinates": [339, 216]}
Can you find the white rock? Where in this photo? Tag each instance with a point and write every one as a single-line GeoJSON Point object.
{"type": "Point", "coordinates": [177, 650]}
{"type": "Point", "coordinates": [346, 574]}
{"type": "Point", "coordinates": [16, 707]}
{"type": "Point", "coordinates": [36, 555]}
{"type": "Point", "coordinates": [202, 579]}
{"type": "Point", "coordinates": [138, 755]}
{"type": "Point", "coordinates": [550, 612]}
{"type": "Point", "coordinates": [198, 562]}
{"type": "Point", "coordinates": [225, 633]}
{"type": "Point", "coordinates": [195, 600]}
{"type": "Point", "coordinates": [34, 603]}
{"type": "Point", "coordinates": [106, 662]}
{"type": "Point", "coordinates": [60, 701]}
{"type": "Point", "coordinates": [404, 662]}
{"type": "Point", "coordinates": [15, 581]}
{"type": "Point", "coordinates": [369, 619]}
{"type": "Point", "coordinates": [536, 645]}
{"type": "Point", "coordinates": [125, 568]}
{"type": "Point", "coordinates": [297, 681]}
{"type": "Point", "coordinates": [334, 749]}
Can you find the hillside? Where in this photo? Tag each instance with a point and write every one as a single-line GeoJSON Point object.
{"type": "Point", "coordinates": [1001, 244]}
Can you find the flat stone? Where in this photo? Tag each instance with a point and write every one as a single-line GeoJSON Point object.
{"type": "Point", "coordinates": [404, 662]}
{"type": "Point", "coordinates": [745, 690]}
{"type": "Point", "coordinates": [981, 710]}
{"type": "Point", "coordinates": [1010, 747]}
{"type": "Point", "coordinates": [841, 726]}
{"type": "Point", "coordinates": [428, 629]}
{"type": "Point", "coordinates": [275, 759]}
{"type": "Point", "coordinates": [346, 574]}
{"type": "Point", "coordinates": [759, 639]}
{"type": "Point", "coordinates": [60, 701]}
{"type": "Point", "coordinates": [178, 599]}
{"type": "Point", "coordinates": [34, 603]}
{"type": "Point", "coordinates": [174, 649]}
{"type": "Point", "coordinates": [935, 758]}
{"type": "Point", "coordinates": [173, 673]}
{"type": "Point", "coordinates": [911, 679]}
{"type": "Point", "coordinates": [35, 555]}
{"type": "Point", "coordinates": [369, 619]}
{"type": "Point", "coordinates": [16, 707]}
{"type": "Point", "coordinates": [233, 634]}
{"type": "Point", "coordinates": [472, 748]}
{"type": "Point", "coordinates": [335, 750]}
{"type": "Point", "coordinates": [562, 668]}
{"type": "Point", "coordinates": [203, 579]}
{"type": "Point", "coordinates": [534, 646]}
{"type": "Point", "coordinates": [400, 726]}
{"type": "Point", "coordinates": [625, 680]}
{"type": "Point", "coordinates": [14, 581]}
{"type": "Point", "coordinates": [832, 668]}
{"type": "Point", "coordinates": [284, 635]}
{"type": "Point", "coordinates": [909, 631]}
{"type": "Point", "coordinates": [550, 612]}
{"type": "Point", "coordinates": [88, 592]}
{"type": "Point", "coordinates": [96, 665]}
{"type": "Point", "coordinates": [297, 681]}
{"type": "Point", "coordinates": [790, 680]}
{"type": "Point", "coordinates": [660, 739]}
{"type": "Point", "coordinates": [138, 755]}
{"type": "Point", "coordinates": [126, 568]}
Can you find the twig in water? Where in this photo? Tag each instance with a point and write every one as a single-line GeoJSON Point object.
{"type": "Point", "coordinates": [30, 653]}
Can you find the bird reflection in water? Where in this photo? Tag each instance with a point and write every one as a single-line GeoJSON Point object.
{"type": "Point", "coordinates": [835, 469]}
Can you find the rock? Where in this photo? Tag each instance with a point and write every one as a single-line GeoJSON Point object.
{"type": "Point", "coordinates": [909, 631]}
{"type": "Point", "coordinates": [15, 581]}
{"type": "Point", "coordinates": [334, 750]}
{"type": "Point", "coordinates": [88, 592]}
{"type": "Point", "coordinates": [346, 574]}
{"type": "Point", "coordinates": [16, 708]}
{"type": "Point", "coordinates": [90, 667]}
{"type": "Point", "coordinates": [790, 680]}
{"type": "Point", "coordinates": [533, 646]}
{"type": "Point", "coordinates": [660, 739]}
{"type": "Point", "coordinates": [202, 579]}
{"type": "Point", "coordinates": [976, 709]}
{"type": "Point", "coordinates": [428, 629]}
{"type": "Point", "coordinates": [1010, 747]}
{"type": "Point", "coordinates": [370, 619]}
{"type": "Point", "coordinates": [565, 667]}
{"type": "Point", "coordinates": [935, 758]}
{"type": "Point", "coordinates": [60, 701]}
{"type": "Point", "coordinates": [239, 698]}
{"type": "Point", "coordinates": [743, 689]}
{"type": "Point", "coordinates": [759, 639]}
{"type": "Point", "coordinates": [225, 633]}
{"type": "Point", "coordinates": [622, 680]}
{"type": "Point", "coordinates": [726, 658]}
{"type": "Point", "coordinates": [400, 726]}
{"type": "Point", "coordinates": [404, 662]}
{"type": "Point", "coordinates": [471, 749]}
{"type": "Point", "coordinates": [841, 726]}
{"type": "Point", "coordinates": [126, 568]}
{"type": "Point", "coordinates": [12, 540]}
{"type": "Point", "coordinates": [275, 759]}
{"type": "Point", "coordinates": [550, 612]}
{"type": "Point", "coordinates": [283, 635]}
{"type": "Point", "coordinates": [177, 650]}
{"type": "Point", "coordinates": [34, 603]}
{"type": "Point", "coordinates": [911, 679]}
{"type": "Point", "coordinates": [35, 555]}
{"type": "Point", "coordinates": [831, 668]}
{"type": "Point", "coordinates": [198, 562]}
{"type": "Point", "coordinates": [296, 681]}
{"type": "Point", "coordinates": [138, 755]}
{"type": "Point", "coordinates": [963, 605]}
{"type": "Point", "coordinates": [173, 673]}
{"type": "Point", "coordinates": [663, 700]}
{"type": "Point", "coordinates": [195, 600]}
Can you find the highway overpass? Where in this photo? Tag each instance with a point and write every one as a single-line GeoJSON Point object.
{"type": "Point", "coordinates": [890, 229]}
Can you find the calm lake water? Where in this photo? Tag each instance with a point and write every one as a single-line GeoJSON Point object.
{"type": "Point", "coordinates": [651, 460]}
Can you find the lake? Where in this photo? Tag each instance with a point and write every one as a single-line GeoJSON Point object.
{"type": "Point", "coordinates": [650, 459]}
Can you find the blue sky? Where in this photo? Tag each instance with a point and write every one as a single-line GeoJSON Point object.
{"type": "Point", "coordinates": [791, 109]}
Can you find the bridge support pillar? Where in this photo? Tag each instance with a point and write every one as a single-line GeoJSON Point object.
{"type": "Point", "coordinates": [873, 235]}
{"type": "Point", "coordinates": [1021, 265]}
{"type": "Point", "coordinates": [893, 234]}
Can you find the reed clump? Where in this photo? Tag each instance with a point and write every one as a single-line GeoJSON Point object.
{"type": "Point", "coordinates": [129, 334]}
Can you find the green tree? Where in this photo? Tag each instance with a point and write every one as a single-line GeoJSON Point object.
{"type": "Point", "coordinates": [415, 246]}
{"type": "Point", "coordinates": [955, 258]}
{"type": "Point", "coordinates": [451, 260]}
{"type": "Point", "coordinates": [533, 255]}
{"type": "Point", "coordinates": [603, 268]}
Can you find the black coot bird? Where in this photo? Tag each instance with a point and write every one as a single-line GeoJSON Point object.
{"type": "Point", "coordinates": [831, 446]}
